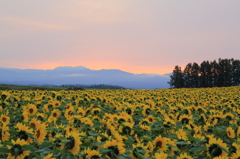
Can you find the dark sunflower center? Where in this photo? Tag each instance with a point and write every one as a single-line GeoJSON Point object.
{"type": "Point", "coordinates": [232, 149]}
{"type": "Point", "coordinates": [114, 150]}
{"type": "Point", "coordinates": [129, 111]}
{"type": "Point", "coordinates": [95, 157]}
{"type": "Point", "coordinates": [126, 130]}
{"type": "Point", "coordinates": [57, 143]}
{"type": "Point", "coordinates": [96, 112]}
{"type": "Point", "coordinates": [159, 144]}
{"type": "Point", "coordinates": [103, 139]}
{"type": "Point", "coordinates": [147, 111]}
{"type": "Point", "coordinates": [33, 125]}
{"type": "Point", "coordinates": [16, 150]}
{"type": "Point", "coordinates": [121, 121]}
{"type": "Point", "coordinates": [144, 122]}
{"type": "Point", "coordinates": [229, 117]}
{"type": "Point", "coordinates": [54, 115]}
{"type": "Point", "coordinates": [185, 121]}
{"type": "Point", "coordinates": [3, 96]}
{"type": "Point", "coordinates": [150, 119]}
{"type": "Point", "coordinates": [4, 119]}
{"type": "Point", "coordinates": [70, 143]}
{"type": "Point", "coordinates": [53, 133]}
{"type": "Point", "coordinates": [70, 112]}
{"type": "Point", "coordinates": [214, 150]}
{"type": "Point", "coordinates": [38, 133]}
{"type": "Point", "coordinates": [23, 135]}
{"type": "Point", "coordinates": [30, 110]}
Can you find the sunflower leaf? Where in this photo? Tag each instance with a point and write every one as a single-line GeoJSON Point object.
{"type": "Point", "coordinates": [30, 135]}
{"type": "Point", "coordinates": [46, 144]}
{"type": "Point", "coordinates": [98, 143]}
{"type": "Point", "coordinates": [191, 138]}
{"type": "Point", "coordinates": [36, 155]}
{"type": "Point", "coordinates": [8, 143]}
{"type": "Point", "coordinates": [97, 124]}
{"type": "Point", "coordinates": [183, 143]}
{"type": "Point", "coordinates": [173, 147]}
{"type": "Point", "coordinates": [92, 133]}
{"type": "Point", "coordinates": [224, 149]}
{"type": "Point", "coordinates": [124, 156]}
{"type": "Point", "coordinates": [4, 150]}
{"type": "Point", "coordinates": [104, 151]}
{"type": "Point", "coordinates": [140, 155]}
{"type": "Point", "coordinates": [28, 147]}
{"type": "Point", "coordinates": [197, 149]}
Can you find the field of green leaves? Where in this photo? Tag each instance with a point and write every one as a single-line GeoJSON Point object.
{"type": "Point", "coordinates": [145, 124]}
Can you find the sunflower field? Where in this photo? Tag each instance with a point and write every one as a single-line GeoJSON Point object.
{"type": "Point", "coordinates": [125, 124]}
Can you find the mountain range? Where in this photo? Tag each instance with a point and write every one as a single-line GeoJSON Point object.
{"type": "Point", "coordinates": [80, 75]}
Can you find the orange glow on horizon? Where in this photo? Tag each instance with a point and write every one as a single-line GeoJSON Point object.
{"type": "Point", "coordinates": [98, 66]}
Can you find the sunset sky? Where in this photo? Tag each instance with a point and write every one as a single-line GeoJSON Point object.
{"type": "Point", "coordinates": [137, 36]}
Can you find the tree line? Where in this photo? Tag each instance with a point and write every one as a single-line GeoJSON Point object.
{"type": "Point", "coordinates": [221, 73]}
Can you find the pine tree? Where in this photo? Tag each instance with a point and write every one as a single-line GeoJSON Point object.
{"type": "Point", "coordinates": [176, 79]}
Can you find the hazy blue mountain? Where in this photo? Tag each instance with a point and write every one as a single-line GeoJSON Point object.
{"type": "Point", "coordinates": [82, 75]}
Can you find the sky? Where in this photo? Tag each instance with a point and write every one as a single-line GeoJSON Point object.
{"type": "Point", "coordinates": [137, 36]}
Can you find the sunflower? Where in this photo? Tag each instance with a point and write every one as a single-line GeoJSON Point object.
{"type": "Point", "coordinates": [116, 135]}
{"type": "Point", "coordinates": [58, 138]}
{"type": "Point", "coordinates": [139, 148]}
{"type": "Point", "coordinates": [236, 155]}
{"type": "Point", "coordinates": [56, 104]}
{"type": "Point", "coordinates": [5, 134]}
{"type": "Point", "coordinates": [16, 149]}
{"type": "Point", "coordinates": [40, 133]}
{"type": "Point", "coordinates": [81, 112]}
{"type": "Point", "coordinates": [49, 156]}
{"type": "Point", "coordinates": [73, 143]}
{"type": "Point", "coordinates": [184, 156]}
{"type": "Point", "coordinates": [146, 110]}
{"type": "Point", "coordinates": [31, 109]}
{"type": "Point", "coordinates": [96, 111]}
{"type": "Point", "coordinates": [5, 119]}
{"type": "Point", "coordinates": [181, 134]}
{"type": "Point", "coordinates": [23, 132]}
{"type": "Point", "coordinates": [214, 147]}
{"type": "Point", "coordinates": [230, 132]}
{"type": "Point", "coordinates": [160, 143]}
{"type": "Point", "coordinates": [197, 130]}
{"type": "Point", "coordinates": [88, 121]}
{"type": "Point", "coordinates": [55, 114]}
{"type": "Point", "coordinates": [145, 127]}
{"type": "Point", "coordinates": [35, 123]}
{"type": "Point", "coordinates": [150, 119]}
{"type": "Point", "coordinates": [92, 154]}
{"type": "Point", "coordinates": [69, 129]}
{"type": "Point", "coordinates": [127, 128]}
{"type": "Point", "coordinates": [108, 116]}
{"type": "Point", "coordinates": [184, 119]}
{"type": "Point", "coordinates": [115, 147]}
{"type": "Point", "coordinates": [68, 112]}
{"type": "Point", "coordinates": [103, 137]}
{"type": "Point", "coordinates": [25, 116]}
{"type": "Point", "coordinates": [161, 155]}
{"type": "Point", "coordinates": [40, 116]}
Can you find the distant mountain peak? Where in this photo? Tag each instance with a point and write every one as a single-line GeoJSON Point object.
{"type": "Point", "coordinates": [70, 67]}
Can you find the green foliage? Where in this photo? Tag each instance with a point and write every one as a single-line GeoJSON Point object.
{"type": "Point", "coordinates": [223, 73]}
